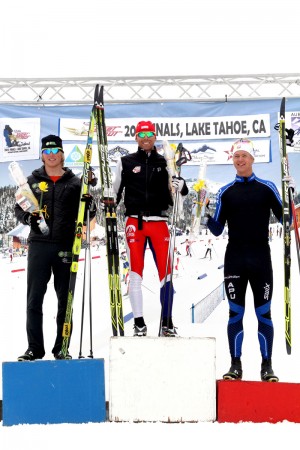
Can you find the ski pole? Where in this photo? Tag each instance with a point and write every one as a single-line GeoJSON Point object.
{"type": "Point", "coordinates": [183, 157]}
{"type": "Point", "coordinates": [87, 277]}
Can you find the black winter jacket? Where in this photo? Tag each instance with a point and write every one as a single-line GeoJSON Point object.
{"type": "Point", "coordinates": [61, 201]}
{"type": "Point", "coordinates": [146, 183]}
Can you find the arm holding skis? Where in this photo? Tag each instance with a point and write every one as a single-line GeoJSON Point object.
{"type": "Point", "coordinates": [175, 159]}
{"type": "Point", "coordinates": [291, 183]}
{"type": "Point", "coordinates": [179, 184]}
{"type": "Point", "coordinates": [90, 204]}
{"type": "Point", "coordinates": [117, 181]}
{"type": "Point", "coordinates": [291, 190]}
{"type": "Point", "coordinates": [277, 202]}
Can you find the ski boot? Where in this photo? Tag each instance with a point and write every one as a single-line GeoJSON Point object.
{"type": "Point", "coordinates": [60, 355]}
{"type": "Point", "coordinates": [267, 373]}
{"type": "Point", "coordinates": [235, 372]}
{"type": "Point", "coordinates": [139, 331]}
{"type": "Point", "coordinates": [167, 328]}
{"type": "Point", "coordinates": [28, 356]}
{"type": "Point", "coordinates": [139, 327]}
{"type": "Point", "coordinates": [168, 332]}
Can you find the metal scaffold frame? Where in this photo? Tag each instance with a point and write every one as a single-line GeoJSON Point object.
{"type": "Point", "coordinates": [202, 88]}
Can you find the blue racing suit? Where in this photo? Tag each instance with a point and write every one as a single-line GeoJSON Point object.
{"type": "Point", "coordinates": [245, 205]}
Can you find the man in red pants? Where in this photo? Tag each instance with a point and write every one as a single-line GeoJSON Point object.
{"type": "Point", "coordinates": [144, 177]}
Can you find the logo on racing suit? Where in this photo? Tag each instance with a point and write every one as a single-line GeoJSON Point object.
{"type": "Point", "coordinates": [136, 169]}
{"type": "Point", "coordinates": [130, 230]}
{"type": "Point", "coordinates": [267, 291]}
{"type": "Point", "coordinates": [231, 291]}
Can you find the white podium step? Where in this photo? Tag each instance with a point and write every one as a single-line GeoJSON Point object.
{"type": "Point", "coordinates": [162, 379]}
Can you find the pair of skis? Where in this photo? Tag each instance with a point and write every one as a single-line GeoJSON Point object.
{"type": "Point", "coordinates": [288, 206]}
{"type": "Point", "coordinates": [67, 327]}
{"type": "Point", "coordinates": [97, 121]}
{"type": "Point", "coordinates": [110, 211]}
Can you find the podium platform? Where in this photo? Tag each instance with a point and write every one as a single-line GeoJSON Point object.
{"type": "Point", "coordinates": [257, 401]}
{"type": "Point", "coordinates": [162, 379]}
{"type": "Point", "coordinates": [62, 391]}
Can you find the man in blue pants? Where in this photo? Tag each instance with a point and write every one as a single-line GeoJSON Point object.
{"type": "Point", "coordinates": [245, 205]}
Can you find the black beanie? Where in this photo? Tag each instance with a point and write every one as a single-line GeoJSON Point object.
{"type": "Point", "coordinates": [52, 141]}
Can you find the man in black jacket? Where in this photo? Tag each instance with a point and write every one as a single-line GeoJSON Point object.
{"type": "Point", "coordinates": [144, 177]}
{"type": "Point", "coordinates": [57, 190]}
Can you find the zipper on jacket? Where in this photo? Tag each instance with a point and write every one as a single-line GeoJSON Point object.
{"type": "Point", "coordinates": [52, 207]}
{"type": "Point", "coordinates": [146, 191]}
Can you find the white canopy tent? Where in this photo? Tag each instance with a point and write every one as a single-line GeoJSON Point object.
{"type": "Point", "coordinates": [20, 231]}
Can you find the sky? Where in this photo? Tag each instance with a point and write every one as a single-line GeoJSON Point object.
{"type": "Point", "coordinates": [141, 38]}
{"type": "Point", "coordinates": [154, 436]}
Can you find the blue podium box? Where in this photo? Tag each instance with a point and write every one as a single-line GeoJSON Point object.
{"type": "Point", "coordinates": [63, 391]}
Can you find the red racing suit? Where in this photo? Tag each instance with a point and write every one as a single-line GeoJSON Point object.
{"type": "Point", "coordinates": [145, 181]}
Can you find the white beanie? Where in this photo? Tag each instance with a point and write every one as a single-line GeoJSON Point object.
{"type": "Point", "coordinates": [243, 144]}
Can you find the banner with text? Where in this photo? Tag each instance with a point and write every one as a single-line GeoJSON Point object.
{"type": "Point", "coordinates": [292, 121]}
{"type": "Point", "coordinates": [215, 153]}
{"type": "Point", "coordinates": [177, 128]}
{"type": "Point", "coordinates": [19, 139]}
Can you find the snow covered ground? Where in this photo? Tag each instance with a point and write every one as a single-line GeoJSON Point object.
{"type": "Point", "coordinates": [189, 289]}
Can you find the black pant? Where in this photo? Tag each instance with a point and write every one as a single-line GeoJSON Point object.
{"type": "Point", "coordinates": [242, 266]}
{"type": "Point", "coordinates": [43, 259]}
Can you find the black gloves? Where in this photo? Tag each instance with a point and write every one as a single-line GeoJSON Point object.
{"type": "Point", "coordinates": [33, 220]}
{"type": "Point", "coordinates": [92, 179]}
{"type": "Point", "coordinates": [89, 201]}
{"type": "Point", "coordinates": [177, 184]}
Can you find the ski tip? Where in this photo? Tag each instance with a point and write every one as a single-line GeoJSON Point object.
{"type": "Point", "coordinates": [282, 108]}
{"type": "Point", "coordinates": [96, 94]}
{"type": "Point", "coordinates": [101, 95]}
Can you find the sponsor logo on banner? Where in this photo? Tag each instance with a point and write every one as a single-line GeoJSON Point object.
{"type": "Point", "coordinates": [292, 121]}
{"type": "Point", "coordinates": [19, 139]}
